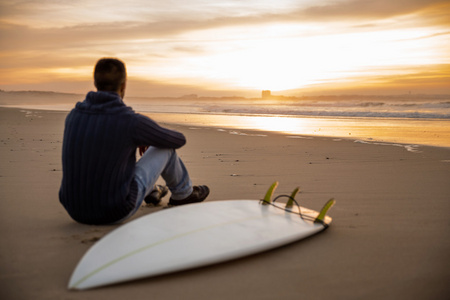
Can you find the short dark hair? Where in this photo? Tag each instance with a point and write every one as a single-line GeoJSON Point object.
{"type": "Point", "coordinates": [109, 74]}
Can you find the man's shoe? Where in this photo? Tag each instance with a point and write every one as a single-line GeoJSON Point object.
{"type": "Point", "coordinates": [199, 194]}
{"type": "Point", "coordinates": [156, 195]}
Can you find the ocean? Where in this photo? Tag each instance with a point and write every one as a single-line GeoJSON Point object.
{"type": "Point", "coordinates": [401, 120]}
{"type": "Point", "coordinates": [383, 108]}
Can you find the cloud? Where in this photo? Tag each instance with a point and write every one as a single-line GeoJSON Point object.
{"type": "Point", "coordinates": [14, 36]}
{"type": "Point", "coordinates": [421, 79]}
{"type": "Point", "coordinates": [357, 9]}
{"type": "Point", "coordinates": [173, 23]}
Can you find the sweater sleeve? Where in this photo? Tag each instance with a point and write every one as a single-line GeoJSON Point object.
{"type": "Point", "coordinates": [148, 133]}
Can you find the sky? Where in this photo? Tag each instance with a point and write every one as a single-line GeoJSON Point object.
{"type": "Point", "coordinates": [229, 47]}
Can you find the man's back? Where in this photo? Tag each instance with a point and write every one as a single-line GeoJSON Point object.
{"type": "Point", "coordinates": [98, 160]}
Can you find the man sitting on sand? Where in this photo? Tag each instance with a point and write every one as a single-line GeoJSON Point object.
{"type": "Point", "coordinates": [102, 182]}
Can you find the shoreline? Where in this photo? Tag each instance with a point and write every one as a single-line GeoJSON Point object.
{"type": "Point", "coordinates": [355, 129]}
{"type": "Point", "coordinates": [417, 132]}
{"type": "Point", "coordinates": [387, 239]}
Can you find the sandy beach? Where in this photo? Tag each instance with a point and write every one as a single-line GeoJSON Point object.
{"type": "Point", "coordinates": [389, 238]}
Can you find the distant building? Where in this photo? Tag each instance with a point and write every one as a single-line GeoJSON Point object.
{"type": "Point", "coordinates": [266, 94]}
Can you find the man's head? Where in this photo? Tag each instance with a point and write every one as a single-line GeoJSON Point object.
{"type": "Point", "coordinates": [110, 75]}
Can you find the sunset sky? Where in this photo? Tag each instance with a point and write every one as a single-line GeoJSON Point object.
{"type": "Point", "coordinates": [229, 47]}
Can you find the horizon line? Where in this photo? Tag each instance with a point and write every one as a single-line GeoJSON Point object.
{"type": "Point", "coordinates": [272, 96]}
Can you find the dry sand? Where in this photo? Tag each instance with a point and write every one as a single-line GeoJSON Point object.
{"type": "Point", "coordinates": [389, 238]}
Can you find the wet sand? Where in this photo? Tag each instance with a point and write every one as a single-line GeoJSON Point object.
{"type": "Point", "coordinates": [389, 237]}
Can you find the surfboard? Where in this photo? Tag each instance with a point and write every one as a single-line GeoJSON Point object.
{"type": "Point", "coordinates": [195, 235]}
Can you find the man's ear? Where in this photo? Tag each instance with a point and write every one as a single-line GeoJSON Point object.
{"type": "Point", "coordinates": [123, 86]}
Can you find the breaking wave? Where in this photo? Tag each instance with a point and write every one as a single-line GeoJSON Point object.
{"type": "Point", "coordinates": [426, 110]}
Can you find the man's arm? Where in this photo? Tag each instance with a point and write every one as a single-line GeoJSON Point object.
{"type": "Point", "coordinates": [148, 133]}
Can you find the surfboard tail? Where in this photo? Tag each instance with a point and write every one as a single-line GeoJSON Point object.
{"type": "Point", "coordinates": [321, 217]}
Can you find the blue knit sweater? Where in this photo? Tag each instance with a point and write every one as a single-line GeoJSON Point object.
{"type": "Point", "coordinates": [99, 156]}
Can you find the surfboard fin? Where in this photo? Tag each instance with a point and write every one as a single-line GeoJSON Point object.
{"type": "Point", "coordinates": [268, 197]}
{"type": "Point", "coordinates": [290, 202]}
{"type": "Point", "coordinates": [321, 217]}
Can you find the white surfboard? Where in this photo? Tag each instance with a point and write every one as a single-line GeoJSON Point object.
{"type": "Point", "coordinates": [194, 235]}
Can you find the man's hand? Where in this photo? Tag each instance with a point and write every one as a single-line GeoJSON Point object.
{"type": "Point", "coordinates": [142, 150]}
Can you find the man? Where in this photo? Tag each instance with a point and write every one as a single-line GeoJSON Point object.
{"type": "Point", "coordinates": [102, 182]}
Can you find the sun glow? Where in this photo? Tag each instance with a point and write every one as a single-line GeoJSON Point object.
{"type": "Point", "coordinates": [279, 124]}
{"type": "Point", "coordinates": [294, 61]}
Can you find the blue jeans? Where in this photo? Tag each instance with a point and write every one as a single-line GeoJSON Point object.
{"type": "Point", "coordinates": [165, 163]}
